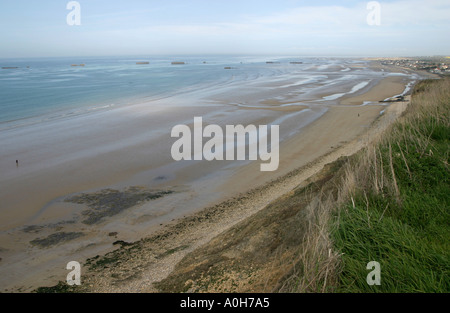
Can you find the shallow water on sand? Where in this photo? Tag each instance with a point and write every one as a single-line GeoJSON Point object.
{"type": "Point", "coordinates": [43, 89]}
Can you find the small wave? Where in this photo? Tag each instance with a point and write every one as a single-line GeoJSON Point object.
{"type": "Point", "coordinates": [59, 80]}
{"type": "Point", "coordinates": [339, 95]}
{"type": "Point", "coordinates": [359, 86]}
{"type": "Point", "coordinates": [307, 81]}
{"type": "Point", "coordinates": [334, 97]}
{"type": "Point", "coordinates": [323, 67]}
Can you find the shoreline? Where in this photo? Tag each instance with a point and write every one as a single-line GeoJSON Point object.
{"type": "Point", "coordinates": [299, 150]}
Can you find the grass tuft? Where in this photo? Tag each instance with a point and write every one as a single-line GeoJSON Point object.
{"type": "Point", "coordinates": [398, 214]}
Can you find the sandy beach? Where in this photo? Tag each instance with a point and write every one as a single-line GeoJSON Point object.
{"type": "Point", "coordinates": [59, 204]}
{"type": "Point", "coordinates": [151, 263]}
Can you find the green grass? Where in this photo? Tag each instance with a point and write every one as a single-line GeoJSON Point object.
{"type": "Point", "coordinates": [407, 231]}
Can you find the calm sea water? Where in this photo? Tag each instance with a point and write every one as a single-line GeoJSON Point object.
{"type": "Point", "coordinates": [40, 89]}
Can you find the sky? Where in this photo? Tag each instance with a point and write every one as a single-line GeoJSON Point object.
{"type": "Point", "coordinates": [39, 28]}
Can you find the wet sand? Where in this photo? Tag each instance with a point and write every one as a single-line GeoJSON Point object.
{"type": "Point", "coordinates": [154, 258]}
{"type": "Point", "coordinates": [388, 87]}
{"type": "Point", "coordinates": [117, 149]}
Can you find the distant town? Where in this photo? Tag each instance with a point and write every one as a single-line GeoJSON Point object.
{"type": "Point", "coordinates": [435, 65]}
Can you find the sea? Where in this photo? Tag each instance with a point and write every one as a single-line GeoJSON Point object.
{"type": "Point", "coordinates": [36, 90]}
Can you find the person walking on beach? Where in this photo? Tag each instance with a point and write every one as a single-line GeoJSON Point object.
{"type": "Point", "coordinates": [17, 163]}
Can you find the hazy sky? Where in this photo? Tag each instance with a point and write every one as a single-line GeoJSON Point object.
{"type": "Point", "coordinates": [35, 28]}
